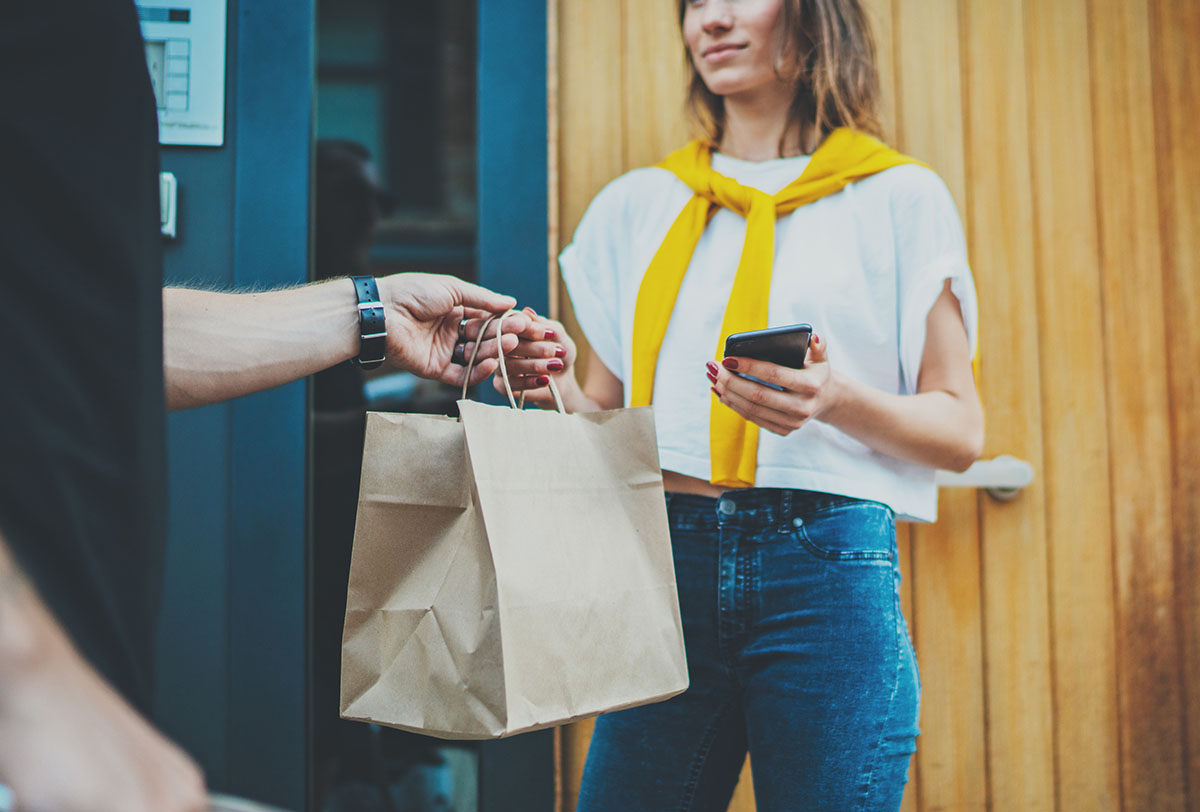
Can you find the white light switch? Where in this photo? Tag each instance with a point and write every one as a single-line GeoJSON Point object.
{"type": "Point", "coordinates": [168, 202]}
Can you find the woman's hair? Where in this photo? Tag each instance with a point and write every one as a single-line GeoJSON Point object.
{"type": "Point", "coordinates": [829, 53]}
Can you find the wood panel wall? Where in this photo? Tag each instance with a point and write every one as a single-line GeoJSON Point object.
{"type": "Point", "coordinates": [1058, 634]}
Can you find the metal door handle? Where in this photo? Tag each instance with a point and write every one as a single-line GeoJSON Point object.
{"type": "Point", "coordinates": [1002, 477]}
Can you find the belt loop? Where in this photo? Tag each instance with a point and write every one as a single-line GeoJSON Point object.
{"type": "Point", "coordinates": [785, 505]}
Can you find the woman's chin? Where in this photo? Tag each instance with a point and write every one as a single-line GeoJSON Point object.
{"type": "Point", "coordinates": [727, 89]}
{"type": "Point", "coordinates": [732, 85]}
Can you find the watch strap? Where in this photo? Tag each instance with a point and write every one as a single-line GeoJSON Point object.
{"type": "Point", "coordinates": [372, 330]}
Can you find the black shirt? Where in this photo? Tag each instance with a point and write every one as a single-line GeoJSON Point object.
{"type": "Point", "coordinates": [82, 424]}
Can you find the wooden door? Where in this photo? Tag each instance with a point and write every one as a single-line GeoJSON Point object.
{"type": "Point", "coordinates": [1058, 634]}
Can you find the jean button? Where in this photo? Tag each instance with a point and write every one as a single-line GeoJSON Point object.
{"type": "Point", "coordinates": [797, 522]}
{"type": "Point", "coordinates": [726, 506]}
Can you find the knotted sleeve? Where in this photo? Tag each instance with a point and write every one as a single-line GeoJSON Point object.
{"type": "Point", "coordinates": [591, 268]}
{"type": "Point", "coordinates": [930, 249]}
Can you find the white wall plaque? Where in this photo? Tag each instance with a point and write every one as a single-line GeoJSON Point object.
{"type": "Point", "coordinates": [185, 52]}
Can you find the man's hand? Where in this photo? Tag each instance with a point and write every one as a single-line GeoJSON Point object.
{"type": "Point", "coordinates": [423, 315]}
{"type": "Point", "coordinates": [68, 742]}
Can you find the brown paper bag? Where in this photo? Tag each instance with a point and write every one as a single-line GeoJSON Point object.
{"type": "Point", "coordinates": [510, 572]}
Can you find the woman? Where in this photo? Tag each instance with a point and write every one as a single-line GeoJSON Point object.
{"type": "Point", "coordinates": [784, 539]}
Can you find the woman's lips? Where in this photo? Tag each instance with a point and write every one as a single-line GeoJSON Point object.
{"type": "Point", "coordinates": [716, 54]}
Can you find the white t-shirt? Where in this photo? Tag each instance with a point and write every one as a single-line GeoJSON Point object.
{"type": "Point", "coordinates": [863, 267]}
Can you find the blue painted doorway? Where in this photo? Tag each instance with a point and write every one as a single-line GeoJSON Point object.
{"type": "Point", "coordinates": [235, 651]}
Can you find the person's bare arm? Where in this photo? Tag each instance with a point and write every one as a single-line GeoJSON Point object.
{"type": "Point", "coordinates": [68, 741]}
{"type": "Point", "coordinates": [940, 426]}
{"type": "Point", "coordinates": [218, 346]}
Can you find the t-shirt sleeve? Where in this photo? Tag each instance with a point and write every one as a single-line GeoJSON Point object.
{"type": "Point", "coordinates": [930, 249]}
{"type": "Point", "coordinates": [591, 267]}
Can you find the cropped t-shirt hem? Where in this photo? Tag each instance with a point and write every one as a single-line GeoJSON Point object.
{"type": "Point", "coordinates": [907, 507]}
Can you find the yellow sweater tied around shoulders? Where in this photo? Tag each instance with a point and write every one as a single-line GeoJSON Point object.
{"type": "Point", "coordinates": [845, 156]}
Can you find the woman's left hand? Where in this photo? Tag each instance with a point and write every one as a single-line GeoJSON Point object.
{"type": "Point", "coordinates": [807, 393]}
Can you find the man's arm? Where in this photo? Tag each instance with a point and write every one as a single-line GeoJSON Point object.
{"type": "Point", "coordinates": [68, 741]}
{"type": "Point", "coordinates": [218, 346]}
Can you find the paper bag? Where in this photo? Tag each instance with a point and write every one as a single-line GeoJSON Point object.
{"type": "Point", "coordinates": [511, 571]}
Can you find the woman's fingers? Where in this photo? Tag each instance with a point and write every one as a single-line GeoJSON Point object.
{"type": "Point", "coordinates": [770, 419]}
{"type": "Point", "coordinates": [759, 394]}
{"type": "Point", "coordinates": [535, 387]}
{"type": "Point", "coordinates": [527, 383]}
{"type": "Point", "coordinates": [755, 416]}
{"type": "Point", "coordinates": [539, 349]}
{"type": "Point", "coordinates": [516, 365]}
{"type": "Point", "coordinates": [491, 366]}
{"type": "Point", "coordinates": [780, 412]}
{"type": "Point", "coordinates": [817, 351]}
{"type": "Point", "coordinates": [530, 363]}
{"type": "Point", "coordinates": [786, 377]}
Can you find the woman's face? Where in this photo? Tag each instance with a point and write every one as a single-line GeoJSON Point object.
{"type": "Point", "coordinates": [735, 44]}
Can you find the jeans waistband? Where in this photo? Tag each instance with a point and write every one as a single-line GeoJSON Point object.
{"type": "Point", "coordinates": [751, 507]}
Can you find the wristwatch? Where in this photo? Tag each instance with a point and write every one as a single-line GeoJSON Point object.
{"type": "Point", "coordinates": [373, 349]}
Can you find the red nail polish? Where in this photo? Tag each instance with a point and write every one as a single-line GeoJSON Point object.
{"type": "Point", "coordinates": [713, 369]}
{"type": "Point", "coordinates": [730, 363]}
{"type": "Point", "coordinates": [554, 365]}
{"type": "Point", "coordinates": [550, 335]}
{"type": "Point", "coordinates": [560, 352]}
{"type": "Point", "coordinates": [543, 380]}
{"type": "Point", "coordinates": [715, 392]}
{"type": "Point", "coordinates": [712, 377]}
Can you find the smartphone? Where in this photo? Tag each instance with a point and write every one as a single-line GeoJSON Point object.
{"type": "Point", "coordinates": [786, 346]}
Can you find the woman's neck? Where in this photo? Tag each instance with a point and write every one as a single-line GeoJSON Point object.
{"type": "Point", "coordinates": [758, 127]}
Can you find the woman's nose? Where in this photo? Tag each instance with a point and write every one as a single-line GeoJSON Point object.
{"type": "Point", "coordinates": [718, 16]}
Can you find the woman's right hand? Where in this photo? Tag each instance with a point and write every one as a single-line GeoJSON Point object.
{"type": "Point", "coordinates": [543, 351]}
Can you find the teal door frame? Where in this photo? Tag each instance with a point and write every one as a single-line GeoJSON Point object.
{"type": "Point", "coordinates": [232, 660]}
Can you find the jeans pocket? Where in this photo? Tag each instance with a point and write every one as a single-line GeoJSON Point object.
{"type": "Point", "coordinates": [856, 531]}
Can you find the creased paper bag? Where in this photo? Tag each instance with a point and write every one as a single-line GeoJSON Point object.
{"type": "Point", "coordinates": [510, 572]}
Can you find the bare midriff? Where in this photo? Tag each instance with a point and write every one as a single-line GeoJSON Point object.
{"type": "Point", "coordinates": [681, 483]}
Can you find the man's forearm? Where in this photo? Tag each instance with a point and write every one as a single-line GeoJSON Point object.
{"type": "Point", "coordinates": [218, 346]}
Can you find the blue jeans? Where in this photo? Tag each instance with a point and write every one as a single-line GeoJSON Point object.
{"type": "Point", "coordinates": [798, 653]}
